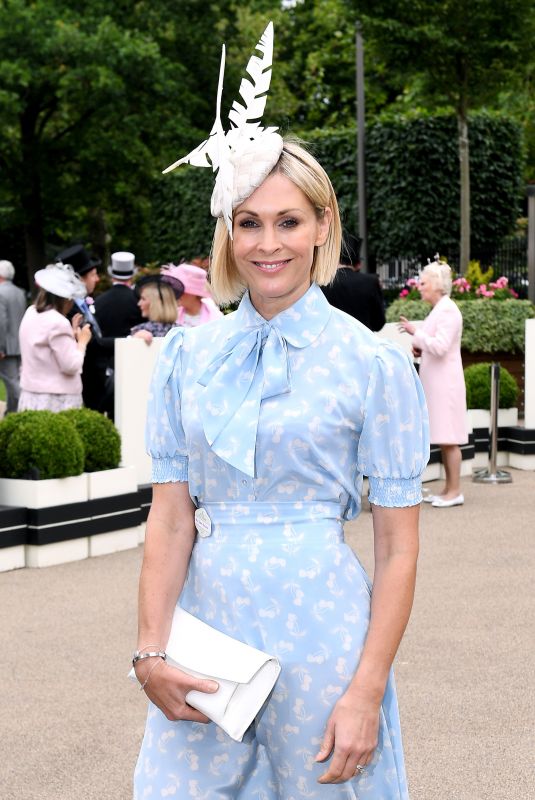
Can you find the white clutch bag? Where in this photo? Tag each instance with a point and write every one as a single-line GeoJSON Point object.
{"type": "Point", "coordinates": [245, 675]}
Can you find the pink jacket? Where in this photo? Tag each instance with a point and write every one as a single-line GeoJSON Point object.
{"type": "Point", "coordinates": [51, 361]}
{"type": "Point", "coordinates": [209, 311]}
{"type": "Point", "coordinates": [441, 372]}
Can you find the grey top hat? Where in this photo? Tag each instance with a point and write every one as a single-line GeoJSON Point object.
{"type": "Point", "coordinates": [122, 266]}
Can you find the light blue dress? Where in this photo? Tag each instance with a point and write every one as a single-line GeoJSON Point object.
{"type": "Point", "coordinates": [273, 424]}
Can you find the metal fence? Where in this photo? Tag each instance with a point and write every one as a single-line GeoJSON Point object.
{"type": "Point", "coordinates": [509, 259]}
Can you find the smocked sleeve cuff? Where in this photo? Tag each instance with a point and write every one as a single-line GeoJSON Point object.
{"type": "Point", "coordinates": [170, 470]}
{"type": "Point", "coordinates": [395, 492]}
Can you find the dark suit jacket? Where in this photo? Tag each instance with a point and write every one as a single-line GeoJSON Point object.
{"type": "Point", "coordinates": [358, 294]}
{"type": "Point", "coordinates": [117, 312]}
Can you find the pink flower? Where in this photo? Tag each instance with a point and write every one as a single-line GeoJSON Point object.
{"type": "Point", "coordinates": [404, 293]}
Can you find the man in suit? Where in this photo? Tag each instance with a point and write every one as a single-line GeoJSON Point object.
{"type": "Point", "coordinates": [93, 373]}
{"type": "Point", "coordinates": [117, 312]}
{"type": "Point", "coordinates": [85, 267]}
{"type": "Point", "coordinates": [357, 293]}
{"type": "Point", "coordinates": [12, 308]}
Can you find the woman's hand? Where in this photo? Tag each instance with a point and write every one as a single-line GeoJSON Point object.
{"type": "Point", "coordinates": [75, 322]}
{"type": "Point", "coordinates": [350, 737]}
{"type": "Point", "coordinates": [83, 335]}
{"type": "Point", "coordinates": [405, 325]}
{"type": "Point", "coordinates": [145, 335]}
{"type": "Point", "coordinates": [167, 688]}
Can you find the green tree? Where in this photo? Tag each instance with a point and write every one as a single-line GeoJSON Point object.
{"type": "Point", "coordinates": [94, 100]}
{"type": "Point", "coordinates": [459, 54]}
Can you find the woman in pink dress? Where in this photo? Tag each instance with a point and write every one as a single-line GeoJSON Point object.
{"type": "Point", "coordinates": [438, 342]}
{"type": "Point", "coordinates": [195, 306]}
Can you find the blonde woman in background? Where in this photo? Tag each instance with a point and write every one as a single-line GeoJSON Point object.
{"type": "Point", "coordinates": [158, 304]}
{"type": "Point", "coordinates": [438, 342]}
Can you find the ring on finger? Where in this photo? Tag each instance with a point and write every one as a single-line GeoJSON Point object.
{"type": "Point", "coordinates": [359, 769]}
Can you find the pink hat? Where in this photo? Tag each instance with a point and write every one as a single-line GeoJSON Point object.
{"type": "Point", "coordinates": [193, 278]}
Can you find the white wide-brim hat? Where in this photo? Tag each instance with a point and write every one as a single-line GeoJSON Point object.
{"type": "Point", "coordinates": [122, 265]}
{"type": "Point", "coordinates": [61, 280]}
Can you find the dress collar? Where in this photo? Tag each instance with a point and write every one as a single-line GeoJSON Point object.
{"type": "Point", "coordinates": [300, 324]}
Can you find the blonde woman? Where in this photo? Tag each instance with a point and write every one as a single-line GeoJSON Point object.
{"type": "Point", "coordinates": [268, 419]}
{"type": "Point", "coordinates": [438, 342]}
{"type": "Point", "coordinates": [158, 304]}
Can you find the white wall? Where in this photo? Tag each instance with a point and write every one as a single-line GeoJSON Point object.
{"type": "Point", "coordinates": [529, 375]}
{"type": "Point", "coordinates": [134, 364]}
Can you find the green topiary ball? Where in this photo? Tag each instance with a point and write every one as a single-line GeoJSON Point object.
{"type": "Point", "coordinates": [477, 379]}
{"type": "Point", "coordinates": [102, 441]}
{"type": "Point", "coordinates": [39, 445]}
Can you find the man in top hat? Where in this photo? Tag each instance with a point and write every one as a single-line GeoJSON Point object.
{"type": "Point", "coordinates": [85, 267]}
{"type": "Point", "coordinates": [12, 308]}
{"type": "Point", "coordinates": [116, 311]}
{"type": "Point", "coordinates": [357, 293]}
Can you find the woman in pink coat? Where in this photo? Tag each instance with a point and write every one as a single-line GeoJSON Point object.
{"type": "Point", "coordinates": [195, 306]}
{"type": "Point", "coordinates": [52, 348]}
{"type": "Point", "coordinates": [438, 342]}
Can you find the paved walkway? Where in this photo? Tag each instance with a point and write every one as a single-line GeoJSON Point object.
{"type": "Point", "coordinates": [71, 723]}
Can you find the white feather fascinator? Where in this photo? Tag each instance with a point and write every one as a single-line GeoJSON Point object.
{"type": "Point", "coordinates": [245, 155]}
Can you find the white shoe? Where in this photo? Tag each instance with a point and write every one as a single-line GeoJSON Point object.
{"type": "Point", "coordinates": [428, 498]}
{"type": "Point", "coordinates": [439, 502]}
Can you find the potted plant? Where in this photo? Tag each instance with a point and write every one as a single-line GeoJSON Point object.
{"type": "Point", "coordinates": [102, 454]}
{"type": "Point", "coordinates": [478, 396]}
{"type": "Point", "coordinates": [69, 513]}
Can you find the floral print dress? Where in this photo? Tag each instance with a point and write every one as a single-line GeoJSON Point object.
{"type": "Point", "coordinates": [274, 424]}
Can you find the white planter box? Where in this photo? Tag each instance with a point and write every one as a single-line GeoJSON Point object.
{"type": "Point", "coordinates": [42, 494]}
{"type": "Point", "coordinates": [519, 461]}
{"type": "Point", "coordinates": [480, 418]}
{"type": "Point", "coordinates": [12, 558]}
{"type": "Point", "coordinates": [111, 482]}
{"type": "Point", "coordinates": [105, 543]}
{"type": "Point", "coordinates": [48, 555]}
{"type": "Point", "coordinates": [141, 533]}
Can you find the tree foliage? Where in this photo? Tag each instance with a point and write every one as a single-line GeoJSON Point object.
{"type": "Point", "coordinates": [93, 102]}
{"type": "Point", "coordinates": [413, 182]}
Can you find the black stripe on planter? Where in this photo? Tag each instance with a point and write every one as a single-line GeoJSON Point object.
{"type": "Point", "coordinates": [12, 526]}
{"type": "Point", "coordinates": [89, 527]}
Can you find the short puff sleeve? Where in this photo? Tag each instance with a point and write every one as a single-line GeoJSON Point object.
{"type": "Point", "coordinates": [164, 436]}
{"type": "Point", "coordinates": [394, 443]}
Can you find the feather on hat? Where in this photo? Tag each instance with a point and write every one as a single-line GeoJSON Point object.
{"type": "Point", "coordinates": [245, 155]}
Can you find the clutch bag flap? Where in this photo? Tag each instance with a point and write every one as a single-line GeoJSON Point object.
{"type": "Point", "coordinates": [198, 648]}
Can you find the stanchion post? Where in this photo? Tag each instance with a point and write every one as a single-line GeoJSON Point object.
{"type": "Point", "coordinates": [492, 474]}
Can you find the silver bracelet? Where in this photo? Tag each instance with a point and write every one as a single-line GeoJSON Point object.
{"type": "Point", "coordinates": [151, 654]}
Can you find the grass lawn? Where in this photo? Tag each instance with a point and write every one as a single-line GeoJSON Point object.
{"type": "Point", "coordinates": [2, 391]}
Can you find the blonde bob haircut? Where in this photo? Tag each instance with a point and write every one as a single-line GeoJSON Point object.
{"type": "Point", "coordinates": [162, 302]}
{"type": "Point", "coordinates": [297, 164]}
{"type": "Point", "coordinates": [440, 274]}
